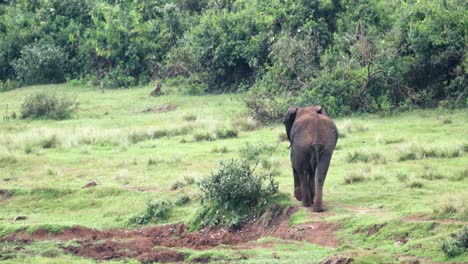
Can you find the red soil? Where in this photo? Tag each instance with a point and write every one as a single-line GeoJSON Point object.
{"type": "Point", "coordinates": [140, 243]}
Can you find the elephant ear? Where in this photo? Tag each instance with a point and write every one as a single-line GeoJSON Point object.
{"type": "Point", "coordinates": [289, 120]}
{"type": "Point", "coordinates": [321, 110]}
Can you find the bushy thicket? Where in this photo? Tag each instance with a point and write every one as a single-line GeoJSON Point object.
{"type": "Point", "coordinates": [49, 106]}
{"type": "Point", "coordinates": [233, 193]}
{"type": "Point", "coordinates": [456, 244]}
{"type": "Point", "coordinates": [350, 56]}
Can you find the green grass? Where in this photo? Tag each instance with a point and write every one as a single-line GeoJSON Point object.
{"type": "Point", "coordinates": [412, 163]}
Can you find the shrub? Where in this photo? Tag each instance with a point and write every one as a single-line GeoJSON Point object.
{"type": "Point", "coordinates": [255, 152]}
{"type": "Point", "coordinates": [233, 193]}
{"type": "Point", "coordinates": [416, 184]}
{"type": "Point", "coordinates": [456, 244]}
{"type": "Point", "coordinates": [44, 105]}
{"type": "Point", "coordinates": [155, 212]}
{"type": "Point", "coordinates": [189, 117]}
{"type": "Point", "coordinates": [138, 136]}
{"type": "Point", "coordinates": [40, 63]}
{"type": "Point", "coordinates": [223, 133]}
{"type": "Point", "coordinates": [203, 136]}
{"type": "Point", "coordinates": [182, 200]}
{"type": "Point", "coordinates": [49, 142]}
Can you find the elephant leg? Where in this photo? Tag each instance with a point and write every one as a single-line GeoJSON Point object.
{"type": "Point", "coordinates": [320, 175]}
{"type": "Point", "coordinates": [312, 183]}
{"type": "Point", "coordinates": [297, 186]}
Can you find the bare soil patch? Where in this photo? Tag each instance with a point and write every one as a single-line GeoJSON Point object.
{"type": "Point", "coordinates": [160, 109]}
{"type": "Point", "coordinates": [140, 243]}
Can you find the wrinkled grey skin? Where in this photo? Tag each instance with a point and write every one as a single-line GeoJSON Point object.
{"type": "Point", "coordinates": [313, 136]}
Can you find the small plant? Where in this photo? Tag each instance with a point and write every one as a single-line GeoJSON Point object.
{"type": "Point", "coordinates": [282, 137]}
{"type": "Point", "coordinates": [49, 106]}
{"type": "Point", "coordinates": [389, 141]}
{"type": "Point", "coordinates": [456, 244]}
{"type": "Point", "coordinates": [223, 133]}
{"type": "Point", "coordinates": [255, 152]}
{"type": "Point", "coordinates": [233, 193]}
{"type": "Point", "coordinates": [354, 177]}
{"type": "Point", "coordinates": [138, 136]}
{"type": "Point", "coordinates": [182, 200]}
{"type": "Point", "coordinates": [356, 156]}
{"type": "Point", "coordinates": [203, 136]}
{"type": "Point", "coordinates": [156, 211]}
{"type": "Point", "coordinates": [50, 142]}
{"type": "Point", "coordinates": [181, 184]}
{"type": "Point", "coordinates": [153, 161]}
{"type": "Point", "coordinates": [446, 121]}
{"type": "Point", "coordinates": [416, 184]}
{"type": "Point", "coordinates": [223, 149]}
{"type": "Point", "coordinates": [189, 117]}
{"type": "Point", "coordinates": [401, 176]}
{"type": "Point", "coordinates": [431, 174]}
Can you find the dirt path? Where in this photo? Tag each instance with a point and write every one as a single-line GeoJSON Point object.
{"type": "Point", "coordinates": [140, 243]}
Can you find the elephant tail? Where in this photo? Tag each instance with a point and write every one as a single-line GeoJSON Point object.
{"type": "Point", "coordinates": [317, 148]}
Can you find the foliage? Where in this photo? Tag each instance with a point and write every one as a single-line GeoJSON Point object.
{"type": "Point", "coordinates": [155, 212]}
{"type": "Point", "coordinates": [50, 106]}
{"type": "Point", "coordinates": [456, 244]}
{"type": "Point", "coordinates": [40, 63]}
{"type": "Point", "coordinates": [234, 193]}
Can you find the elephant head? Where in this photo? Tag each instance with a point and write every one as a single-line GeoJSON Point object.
{"type": "Point", "coordinates": [292, 112]}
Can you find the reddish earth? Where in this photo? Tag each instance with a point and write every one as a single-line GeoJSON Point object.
{"type": "Point", "coordinates": [140, 243]}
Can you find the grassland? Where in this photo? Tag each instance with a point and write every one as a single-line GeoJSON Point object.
{"type": "Point", "coordinates": [397, 186]}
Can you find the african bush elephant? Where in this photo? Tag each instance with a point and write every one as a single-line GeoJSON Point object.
{"type": "Point", "coordinates": [313, 136]}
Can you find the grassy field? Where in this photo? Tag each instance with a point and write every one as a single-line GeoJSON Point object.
{"type": "Point", "coordinates": [396, 188]}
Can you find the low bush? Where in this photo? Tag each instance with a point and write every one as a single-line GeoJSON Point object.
{"type": "Point", "coordinates": [456, 244]}
{"type": "Point", "coordinates": [203, 136]}
{"type": "Point", "coordinates": [223, 133]}
{"type": "Point", "coordinates": [416, 184]}
{"type": "Point", "coordinates": [156, 211]}
{"type": "Point", "coordinates": [49, 142]}
{"type": "Point", "coordinates": [233, 194]}
{"type": "Point", "coordinates": [49, 106]}
{"type": "Point", "coordinates": [217, 149]}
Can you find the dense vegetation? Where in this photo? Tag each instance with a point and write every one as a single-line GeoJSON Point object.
{"type": "Point", "coordinates": [348, 55]}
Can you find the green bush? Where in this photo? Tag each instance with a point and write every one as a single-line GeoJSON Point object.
{"type": "Point", "coordinates": [233, 193]}
{"type": "Point", "coordinates": [155, 212]}
{"type": "Point", "coordinates": [456, 244]}
{"type": "Point", "coordinates": [223, 133]}
{"type": "Point", "coordinates": [40, 63]}
{"type": "Point", "coordinates": [49, 106]}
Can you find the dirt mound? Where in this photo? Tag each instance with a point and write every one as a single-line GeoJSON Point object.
{"type": "Point", "coordinates": [160, 109]}
{"type": "Point", "coordinates": [140, 243]}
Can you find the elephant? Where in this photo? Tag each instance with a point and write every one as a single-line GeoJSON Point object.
{"type": "Point", "coordinates": [312, 136]}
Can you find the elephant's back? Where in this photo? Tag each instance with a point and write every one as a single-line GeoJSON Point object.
{"type": "Point", "coordinates": [315, 129]}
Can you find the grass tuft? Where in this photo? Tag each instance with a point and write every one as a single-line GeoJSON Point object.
{"type": "Point", "coordinates": [417, 152]}
{"type": "Point", "coordinates": [359, 156]}
{"type": "Point", "coordinates": [223, 133]}
{"type": "Point", "coordinates": [218, 149]}
{"type": "Point", "coordinates": [452, 206]}
{"type": "Point", "coordinates": [415, 184]}
{"type": "Point", "coordinates": [203, 136]}
{"type": "Point", "coordinates": [431, 174]}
